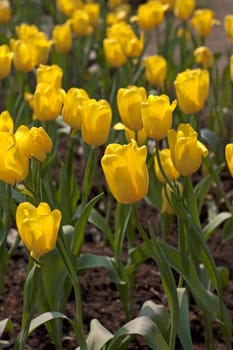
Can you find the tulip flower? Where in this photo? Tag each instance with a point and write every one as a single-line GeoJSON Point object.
{"type": "Point", "coordinates": [203, 56]}
{"type": "Point", "coordinates": [129, 105]}
{"type": "Point", "coordinates": [186, 150]}
{"type": "Point", "coordinates": [96, 121]}
{"type": "Point", "coordinates": [14, 164]}
{"type": "Point", "coordinates": [34, 142]}
{"type": "Point", "coordinates": [27, 32]}
{"type": "Point", "coordinates": [113, 52]}
{"type": "Point", "coordinates": [140, 136]}
{"type": "Point", "coordinates": [5, 61]}
{"type": "Point", "coordinates": [231, 67]}
{"type": "Point", "coordinates": [126, 172]}
{"type": "Point", "coordinates": [167, 166]}
{"type": "Point", "coordinates": [228, 26]}
{"type": "Point", "coordinates": [80, 22]}
{"type": "Point", "coordinates": [67, 7]}
{"type": "Point", "coordinates": [203, 21]}
{"type": "Point", "coordinates": [93, 10]}
{"type": "Point", "coordinates": [192, 89]}
{"type": "Point", "coordinates": [6, 122]}
{"type": "Point", "coordinates": [25, 55]}
{"type": "Point", "coordinates": [184, 8]}
{"type": "Point", "coordinates": [157, 116]}
{"type": "Point", "coordinates": [51, 74]}
{"type": "Point", "coordinates": [62, 37]}
{"type": "Point", "coordinates": [42, 49]}
{"type": "Point", "coordinates": [150, 14]}
{"type": "Point", "coordinates": [229, 157]}
{"type": "Point", "coordinates": [166, 195]}
{"type": "Point", "coordinates": [71, 112]}
{"type": "Point", "coordinates": [47, 102]}
{"type": "Point", "coordinates": [38, 227]}
{"type": "Point", "coordinates": [155, 69]}
{"type": "Point", "coordinates": [5, 11]}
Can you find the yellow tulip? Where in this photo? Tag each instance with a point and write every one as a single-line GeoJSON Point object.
{"type": "Point", "coordinates": [5, 11]}
{"type": "Point", "coordinates": [129, 105]}
{"type": "Point", "coordinates": [231, 67]}
{"type": "Point", "coordinates": [42, 49]}
{"type": "Point", "coordinates": [228, 26]}
{"type": "Point", "coordinates": [157, 116]}
{"type": "Point", "coordinates": [34, 142]}
{"type": "Point", "coordinates": [25, 55]}
{"type": "Point", "coordinates": [203, 56]}
{"type": "Point", "coordinates": [150, 14]}
{"type": "Point", "coordinates": [93, 10]}
{"type": "Point", "coordinates": [184, 8]}
{"type": "Point", "coordinates": [229, 157]}
{"type": "Point", "coordinates": [62, 36]}
{"type": "Point", "coordinates": [14, 164]}
{"type": "Point", "coordinates": [140, 136]}
{"type": "Point", "coordinates": [167, 166]}
{"type": "Point", "coordinates": [80, 22]}
{"type": "Point", "coordinates": [51, 74]}
{"type": "Point", "coordinates": [186, 150]}
{"type": "Point", "coordinates": [6, 122]}
{"type": "Point", "coordinates": [96, 121]}
{"type": "Point", "coordinates": [192, 89]}
{"type": "Point", "coordinates": [113, 52]}
{"type": "Point", "coordinates": [38, 227]}
{"type": "Point", "coordinates": [155, 69]}
{"type": "Point", "coordinates": [5, 61]}
{"type": "Point", "coordinates": [67, 7]}
{"type": "Point", "coordinates": [203, 21]}
{"type": "Point", "coordinates": [27, 32]}
{"type": "Point", "coordinates": [166, 194]}
{"type": "Point", "coordinates": [112, 4]}
{"type": "Point", "coordinates": [47, 101]}
{"type": "Point", "coordinates": [71, 112]}
{"type": "Point", "coordinates": [126, 172]}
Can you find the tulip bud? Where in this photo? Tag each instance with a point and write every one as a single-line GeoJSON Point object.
{"type": "Point", "coordinates": [155, 69]}
{"type": "Point", "coordinates": [192, 89]}
{"type": "Point", "coordinates": [203, 21]}
{"type": "Point", "coordinates": [38, 227]}
{"type": "Point", "coordinates": [81, 24]}
{"type": "Point", "coordinates": [204, 56]}
{"type": "Point", "coordinates": [157, 116]}
{"type": "Point", "coordinates": [25, 55]}
{"type": "Point", "coordinates": [62, 37]}
{"type": "Point", "coordinates": [184, 8]}
{"type": "Point", "coordinates": [6, 122]}
{"type": "Point", "coordinates": [228, 26]}
{"type": "Point", "coordinates": [167, 166]}
{"type": "Point", "coordinates": [167, 192]}
{"type": "Point", "coordinates": [150, 14]}
{"type": "Point", "coordinates": [113, 52]}
{"type": "Point", "coordinates": [126, 172]}
{"type": "Point", "coordinates": [50, 74]}
{"type": "Point", "coordinates": [5, 61]}
{"type": "Point", "coordinates": [186, 150]}
{"type": "Point", "coordinates": [5, 11]}
{"type": "Point", "coordinates": [229, 157]}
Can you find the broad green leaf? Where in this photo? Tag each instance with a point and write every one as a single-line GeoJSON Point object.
{"type": "Point", "coordinates": [143, 326]}
{"type": "Point", "coordinates": [81, 224]}
{"type": "Point", "coordinates": [184, 322]}
{"type": "Point", "coordinates": [45, 317]}
{"type": "Point", "coordinates": [214, 223]}
{"type": "Point", "coordinates": [99, 221]}
{"type": "Point", "coordinates": [227, 232]}
{"type": "Point", "coordinates": [88, 261]}
{"type": "Point", "coordinates": [98, 336]}
{"type": "Point", "coordinates": [140, 254]}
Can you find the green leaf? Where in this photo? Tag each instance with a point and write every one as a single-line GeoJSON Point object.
{"type": "Point", "coordinates": [98, 336]}
{"type": "Point", "coordinates": [100, 222]}
{"type": "Point", "coordinates": [143, 326]}
{"type": "Point", "coordinates": [155, 186]}
{"type": "Point", "coordinates": [45, 317]}
{"type": "Point", "coordinates": [184, 322]}
{"type": "Point", "coordinates": [5, 325]}
{"type": "Point", "coordinates": [227, 232]}
{"type": "Point", "coordinates": [214, 223]}
{"type": "Point", "coordinates": [140, 254]}
{"type": "Point", "coordinates": [88, 261]}
{"type": "Point", "coordinates": [81, 224]}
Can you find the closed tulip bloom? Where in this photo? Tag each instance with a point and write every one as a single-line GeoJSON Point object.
{"type": "Point", "coordinates": [186, 150]}
{"type": "Point", "coordinates": [113, 52]}
{"type": "Point", "coordinates": [6, 122]}
{"type": "Point", "coordinates": [51, 74]}
{"type": "Point", "coordinates": [5, 11]}
{"type": "Point", "coordinates": [67, 7]}
{"type": "Point", "coordinates": [14, 164]}
{"type": "Point", "coordinates": [38, 227]}
{"type": "Point", "coordinates": [93, 10]}
{"type": "Point", "coordinates": [27, 32]}
{"type": "Point", "coordinates": [203, 21]}
{"type": "Point", "coordinates": [192, 89]}
{"type": "Point", "coordinates": [155, 69]}
{"type": "Point", "coordinates": [203, 56]}
{"type": "Point", "coordinates": [126, 172]}
{"type": "Point", "coordinates": [71, 112]}
{"type": "Point", "coordinates": [184, 8]}
{"type": "Point", "coordinates": [96, 121]}
{"type": "Point", "coordinates": [228, 26]}
{"type": "Point", "coordinates": [47, 102]}
{"type": "Point", "coordinates": [34, 142]}
{"type": "Point", "coordinates": [25, 55]}
{"type": "Point", "coordinates": [129, 105]}
{"type": "Point", "coordinates": [62, 37]}
{"type": "Point", "coordinates": [166, 194]}
{"type": "Point", "coordinates": [81, 24]}
{"type": "Point", "coordinates": [157, 116]}
{"type": "Point", "coordinates": [42, 48]}
{"type": "Point", "coordinates": [150, 14]}
{"type": "Point", "coordinates": [5, 61]}
{"type": "Point", "coordinates": [229, 157]}
{"type": "Point", "coordinates": [167, 165]}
